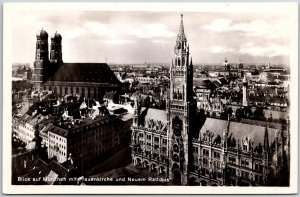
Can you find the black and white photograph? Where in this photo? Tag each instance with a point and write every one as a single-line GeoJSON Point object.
{"type": "Point", "coordinates": [147, 98]}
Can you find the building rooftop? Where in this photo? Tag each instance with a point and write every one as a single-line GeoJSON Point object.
{"type": "Point", "coordinates": [83, 72]}
{"type": "Point", "coordinates": [239, 130]}
{"type": "Point", "coordinates": [72, 127]}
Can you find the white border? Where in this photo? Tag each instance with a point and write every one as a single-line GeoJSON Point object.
{"type": "Point", "coordinates": [10, 8]}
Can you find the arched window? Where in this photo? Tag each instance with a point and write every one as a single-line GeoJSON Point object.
{"type": "Point", "coordinates": [178, 64]}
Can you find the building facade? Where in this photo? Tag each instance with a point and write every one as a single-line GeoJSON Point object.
{"type": "Point", "coordinates": [87, 140]}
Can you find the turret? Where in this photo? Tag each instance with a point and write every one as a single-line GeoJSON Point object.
{"type": "Point", "coordinates": [56, 52]}
{"type": "Point", "coordinates": [41, 58]}
{"type": "Point", "coordinates": [42, 52]}
{"type": "Point", "coordinates": [136, 112]}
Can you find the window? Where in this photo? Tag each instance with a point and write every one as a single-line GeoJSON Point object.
{"type": "Point", "coordinates": [216, 155]}
{"type": "Point", "coordinates": [205, 161]}
{"type": "Point", "coordinates": [164, 141]}
{"type": "Point", "coordinates": [245, 174]}
{"type": "Point", "coordinates": [258, 178]}
{"type": "Point", "coordinates": [232, 171]}
{"type": "Point", "coordinates": [156, 139]}
{"type": "Point", "coordinates": [205, 152]}
{"type": "Point", "coordinates": [231, 159]}
{"type": "Point", "coordinates": [195, 149]}
{"type": "Point", "coordinates": [258, 167]}
{"type": "Point", "coordinates": [148, 137]}
{"type": "Point", "coordinates": [245, 162]}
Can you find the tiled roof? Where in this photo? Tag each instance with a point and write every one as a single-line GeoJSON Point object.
{"type": "Point", "coordinates": [68, 128]}
{"type": "Point", "coordinates": [156, 114]}
{"type": "Point", "coordinates": [83, 72]}
{"type": "Point", "coordinates": [238, 130]}
{"type": "Point", "coordinates": [57, 168]}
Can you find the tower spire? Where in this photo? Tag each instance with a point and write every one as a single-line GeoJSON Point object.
{"type": "Point", "coordinates": [266, 140]}
{"type": "Point", "coordinates": [181, 34]}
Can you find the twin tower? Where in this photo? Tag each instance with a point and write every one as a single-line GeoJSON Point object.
{"type": "Point", "coordinates": [42, 48]}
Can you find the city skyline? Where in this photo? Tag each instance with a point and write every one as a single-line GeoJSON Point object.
{"type": "Point", "coordinates": [138, 37]}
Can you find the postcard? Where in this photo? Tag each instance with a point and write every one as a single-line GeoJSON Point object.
{"type": "Point", "coordinates": [150, 98]}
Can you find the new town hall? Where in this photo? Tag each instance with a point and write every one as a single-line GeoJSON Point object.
{"type": "Point", "coordinates": [173, 145]}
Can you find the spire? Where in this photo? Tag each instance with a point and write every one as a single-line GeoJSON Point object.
{"type": "Point", "coordinates": [191, 61]}
{"type": "Point", "coordinates": [228, 124]}
{"type": "Point", "coordinates": [266, 140]}
{"type": "Point", "coordinates": [181, 34]}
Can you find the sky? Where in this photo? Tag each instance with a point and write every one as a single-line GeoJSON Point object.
{"type": "Point", "coordinates": [139, 37]}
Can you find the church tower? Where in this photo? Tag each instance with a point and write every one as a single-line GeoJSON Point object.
{"type": "Point", "coordinates": [180, 109]}
{"type": "Point", "coordinates": [55, 53]}
{"type": "Point", "coordinates": [41, 58]}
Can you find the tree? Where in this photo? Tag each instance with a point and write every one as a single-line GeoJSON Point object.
{"type": "Point", "coordinates": [239, 114]}
{"type": "Point", "coordinates": [259, 113]}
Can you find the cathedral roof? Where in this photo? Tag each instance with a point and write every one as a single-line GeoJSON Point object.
{"type": "Point", "coordinates": [83, 72]}
{"type": "Point", "coordinates": [239, 130]}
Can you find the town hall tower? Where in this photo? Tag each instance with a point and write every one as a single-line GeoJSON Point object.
{"type": "Point", "coordinates": [180, 110]}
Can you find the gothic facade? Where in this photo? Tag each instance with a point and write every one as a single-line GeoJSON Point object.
{"type": "Point", "coordinates": [221, 153]}
{"type": "Point", "coordinates": [90, 80]}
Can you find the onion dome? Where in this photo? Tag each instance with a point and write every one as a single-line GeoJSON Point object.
{"type": "Point", "coordinates": [42, 34]}
{"type": "Point", "coordinates": [56, 36]}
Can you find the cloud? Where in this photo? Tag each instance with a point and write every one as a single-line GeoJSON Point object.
{"type": "Point", "coordinates": [117, 41]}
{"type": "Point", "coordinates": [218, 25]}
{"type": "Point", "coordinates": [271, 50]}
{"type": "Point", "coordinates": [220, 49]}
{"type": "Point", "coordinates": [72, 33]}
{"type": "Point", "coordinates": [153, 30]}
{"type": "Point", "coordinates": [159, 41]}
{"type": "Point", "coordinates": [101, 29]}
{"type": "Point", "coordinates": [255, 28]}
